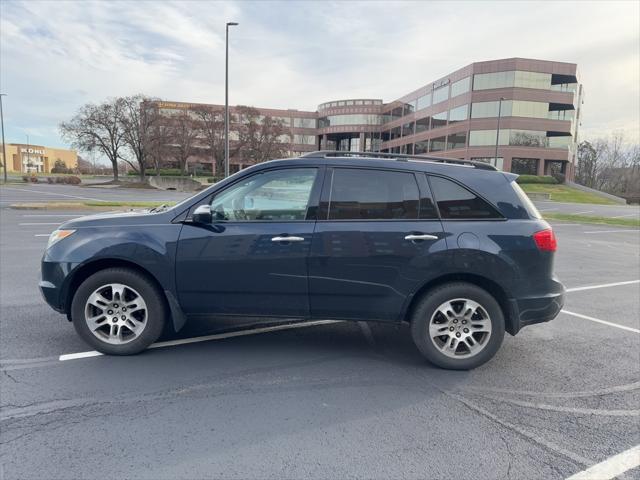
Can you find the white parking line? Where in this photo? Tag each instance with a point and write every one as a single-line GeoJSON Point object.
{"type": "Point", "coordinates": [582, 213]}
{"type": "Point", "coordinates": [604, 285]}
{"type": "Point", "coordinates": [206, 338]}
{"type": "Point", "coordinates": [547, 209]}
{"type": "Point", "coordinates": [42, 235]}
{"type": "Point", "coordinates": [604, 322]}
{"type": "Point", "coordinates": [613, 231]}
{"type": "Point", "coordinates": [53, 215]}
{"type": "Point", "coordinates": [611, 467]}
{"type": "Point", "coordinates": [627, 215]}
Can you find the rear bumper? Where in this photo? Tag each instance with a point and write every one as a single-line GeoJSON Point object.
{"type": "Point", "coordinates": [532, 310]}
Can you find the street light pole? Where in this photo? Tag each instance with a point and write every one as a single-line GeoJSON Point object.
{"type": "Point", "coordinates": [498, 130]}
{"type": "Point", "coordinates": [4, 148]}
{"type": "Point", "coordinates": [226, 99]}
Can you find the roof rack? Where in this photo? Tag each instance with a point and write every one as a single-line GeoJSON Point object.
{"type": "Point", "coordinates": [401, 157]}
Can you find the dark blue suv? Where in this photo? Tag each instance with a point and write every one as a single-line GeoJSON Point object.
{"type": "Point", "coordinates": [454, 248]}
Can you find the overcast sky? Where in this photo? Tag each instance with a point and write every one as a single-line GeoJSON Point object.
{"type": "Point", "coordinates": [56, 56]}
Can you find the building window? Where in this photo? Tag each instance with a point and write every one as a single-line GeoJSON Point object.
{"type": "Point", "coordinates": [422, 124]}
{"type": "Point", "coordinates": [423, 102]}
{"type": "Point", "coordinates": [304, 139]}
{"type": "Point", "coordinates": [421, 147]}
{"type": "Point", "coordinates": [487, 81]}
{"type": "Point", "coordinates": [440, 94]}
{"type": "Point", "coordinates": [409, 107]}
{"type": "Point", "coordinates": [394, 133]}
{"type": "Point", "coordinates": [460, 87]}
{"type": "Point", "coordinates": [524, 166]}
{"type": "Point", "coordinates": [407, 129]}
{"type": "Point", "coordinates": [456, 140]}
{"type": "Point", "coordinates": [533, 80]}
{"type": "Point", "coordinates": [373, 195]}
{"type": "Point", "coordinates": [438, 144]}
{"type": "Point", "coordinates": [458, 114]}
{"type": "Point", "coordinates": [439, 120]}
{"type": "Point", "coordinates": [304, 122]}
{"type": "Point", "coordinates": [479, 138]}
{"type": "Point", "coordinates": [349, 119]}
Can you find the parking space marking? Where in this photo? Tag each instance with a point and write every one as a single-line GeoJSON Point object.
{"type": "Point", "coordinates": [604, 285]}
{"type": "Point", "coordinates": [604, 322]}
{"type": "Point", "coordinates": [627, 215]}
{"type": "Point", "coordinates": [613, 231]}
{"type": "Point", "coordinates": [582, 213]}
{"type": "Point", "coordinates": [54, 215]}
{"type": "Point", "coordinates": [611, 467]}
{"type": "Point", "coordinates": [42, 235]}
{"type": "Point", "coordinates": [206, 338]}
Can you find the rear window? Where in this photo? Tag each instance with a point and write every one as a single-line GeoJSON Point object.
{"type": "Point", "coordinates": [456, 202]}
{"type": "Point", "coordinates": [359, 194]}
{"type": "Point", "coordinates": [526, 201]}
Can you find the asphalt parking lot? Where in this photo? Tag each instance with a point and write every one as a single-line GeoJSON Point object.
{"type": "Point", "coordinates": [331, 400]}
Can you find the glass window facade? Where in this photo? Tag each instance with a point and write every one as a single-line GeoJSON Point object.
{"type": "Point", "coordinates": [407, 129]}
{"type": "Point", "coordinates": [350, 119]}
{"type": "Point", "coordinates": [421, 147]}
{"type": "Point", "coordinates": [422, 124]}
{"type": "Point", "coordinates": [520, 79]}
{"type": "Point", "coordinates": [439, 120]}
{"type": "Point", "coordinates": [304, 122]}
{"type": "Point", "coordinates": [441, 94]}
{"type": "Point", "coordinates": [460, 87]}
{"type": "Point", "coordinates": [523, 138]}
{"type": "Point", "coordinates": [438, 144]}
{"type": "Point", "coordinates": [458, 114]}
{"type": "Point", "coordinates": [304, 139]}
{"type": "Point", "coordinates": [478, 138]}
{"type": "Point", "coordinates": [456, 140]}
{"type": "Point", "coordinates": [524, 166]}
{"type": "Point", "coordinates": [409, 108]}
{"type": "Point", "coordinates": [510, 108]}
{"type": "Point", "coordinates": [423, 102]}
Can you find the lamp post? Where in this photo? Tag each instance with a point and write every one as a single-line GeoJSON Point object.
{"type": "Point", "coordinates": [4, 148]}
{"type": "Point", "coordinates": [498, 130]}
{"type": "Point", "coordinates": [226, 99]}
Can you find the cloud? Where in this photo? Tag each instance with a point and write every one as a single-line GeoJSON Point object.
{"type": "Point", "coordinates": [56, 55]}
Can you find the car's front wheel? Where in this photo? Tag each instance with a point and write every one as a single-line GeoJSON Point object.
{"type": "Point", "coordinates": [458, 326]}
{"type": "Point", "coordinates": [118, 311]}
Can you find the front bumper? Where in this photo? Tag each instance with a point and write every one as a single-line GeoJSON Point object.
{"type": "Point", "coordinates": [51, 295]}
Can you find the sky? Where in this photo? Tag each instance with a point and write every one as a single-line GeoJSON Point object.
{"type": "Point", "coordinates": [56, 56]}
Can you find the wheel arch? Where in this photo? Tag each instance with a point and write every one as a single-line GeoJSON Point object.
{"type": "Point", "coordinates": [498, 292]}
{"type": "Point", "coordinates": [85, 271]}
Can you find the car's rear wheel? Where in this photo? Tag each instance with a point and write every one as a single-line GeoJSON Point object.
{"type": "Point", "coordinates": [458, 326]}
{"type": "Point", "coordinates": [118, 311]}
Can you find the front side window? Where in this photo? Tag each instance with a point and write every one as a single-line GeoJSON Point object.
{"type": "Point", "coordinates": [456, 202]}
{"type": "Point", "coordinates": [358, 194]}
{"type": "Point", "coordinates": [279, 195]}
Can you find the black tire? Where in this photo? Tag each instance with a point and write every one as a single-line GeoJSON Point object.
{"type": "Point", "coordinates": [426, 308]}
{"type": "Point", "coordinates": [155, 303]}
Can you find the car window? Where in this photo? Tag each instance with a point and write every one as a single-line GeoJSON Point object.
{"type": "Point", "coordinates": [359, 194]}
{"type": "Point", "coordinates": [456, 202]}
{"type": "Point", "coordinates": [277, 195]}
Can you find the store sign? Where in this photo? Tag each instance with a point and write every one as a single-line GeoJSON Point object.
{"type": "Point", "coordinates": [32, 150]}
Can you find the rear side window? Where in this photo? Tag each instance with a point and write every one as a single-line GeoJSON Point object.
{"type": "Point", "coordinates": [359, 194]}
{"type": "Point", "coordinates": [456, 202]}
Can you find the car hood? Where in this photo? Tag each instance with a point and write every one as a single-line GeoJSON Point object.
{"type": "Point", "coordinates": [131, 217]}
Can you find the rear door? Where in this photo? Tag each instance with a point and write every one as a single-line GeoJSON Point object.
{"type": "Point", "coordinates": [373, 244]}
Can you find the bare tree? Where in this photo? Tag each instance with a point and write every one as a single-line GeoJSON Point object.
{"type": "Point", "coordinates": [138, 119]}
{"type": "Point", "coordinates": [261, 138]}
{"type": "Point", "coordinates": [98, 128]}
{"type": "Point", "coordinates": [210, 121]}
{"type": "Point", "coordinates": [184, 135]}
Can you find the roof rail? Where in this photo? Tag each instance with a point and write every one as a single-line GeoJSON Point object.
{"type": "Point", "coordinates": [401, 157]}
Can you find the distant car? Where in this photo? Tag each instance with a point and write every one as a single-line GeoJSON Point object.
{"type": "Point", "coordinates": [454, 248]}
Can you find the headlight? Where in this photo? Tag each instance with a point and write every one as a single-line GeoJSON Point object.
{"type": "Point", "coordinates": [58, 235]}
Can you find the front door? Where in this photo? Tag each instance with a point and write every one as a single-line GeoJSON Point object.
{"type": "Point", "coordinates": [377, 238]}
{"type": "Point", "coordinates": [252, 259]}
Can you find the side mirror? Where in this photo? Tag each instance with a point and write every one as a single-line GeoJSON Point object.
{"type": "Point", "coordinates": [202, 214]}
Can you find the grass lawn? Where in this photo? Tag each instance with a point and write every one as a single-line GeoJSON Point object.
{"type": "Point", "coordinates": [623, 222]}
{"type": "Point", "coordinates": [563, 193]}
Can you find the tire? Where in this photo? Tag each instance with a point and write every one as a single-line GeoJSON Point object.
{"type": "Point", "coordinates": [102, 300]}
{"type": "Point", "coordinates": [442, 310]}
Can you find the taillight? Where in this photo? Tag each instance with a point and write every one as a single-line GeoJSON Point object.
{"type": "Point", "coordinates": [546, 240]}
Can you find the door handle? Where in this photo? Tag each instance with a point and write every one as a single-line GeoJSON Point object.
{"type": "Point", "coordinates": [287, 239]}
{"type": "Point", "coordinates": [420, 236]}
